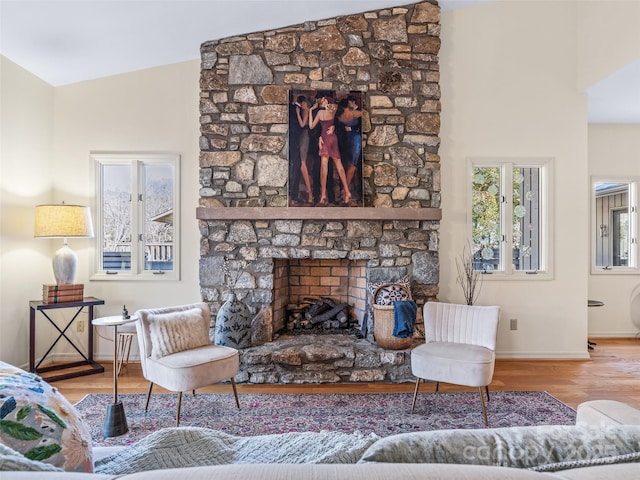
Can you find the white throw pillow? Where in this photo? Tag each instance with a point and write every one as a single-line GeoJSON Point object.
{"type": "Point", "coordinates": [544, 447]}
{"type": "Point", "coordinates": [177, 331]}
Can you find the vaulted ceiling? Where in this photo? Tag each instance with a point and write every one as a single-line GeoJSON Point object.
{"type": "Point", "coordinates": [68, 41]}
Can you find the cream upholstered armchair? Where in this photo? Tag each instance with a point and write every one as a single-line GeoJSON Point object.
{"type": "Point", "coordinates": [176, 353]}
{"type": "Point", "coordinates": [459, 348]}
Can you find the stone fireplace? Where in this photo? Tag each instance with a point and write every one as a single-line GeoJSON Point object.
{"type": "Point", "coordinates": [389, 54]}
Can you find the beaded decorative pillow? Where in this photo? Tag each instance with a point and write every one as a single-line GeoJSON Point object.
{"type": "Point", "coordinates": [41, 424]}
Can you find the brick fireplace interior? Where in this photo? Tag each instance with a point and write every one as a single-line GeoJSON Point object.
{"type": "Point", "coordinates": [298, 281]}
{"type": "Point", "coordinates": [288, 253]}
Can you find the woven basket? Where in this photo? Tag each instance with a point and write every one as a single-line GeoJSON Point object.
{"type": "Point", "coordinates": [383, 322]}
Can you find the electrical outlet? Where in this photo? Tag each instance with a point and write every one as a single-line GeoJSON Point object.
{"type": "Point", "coordinates": [80, 326]}
{"type": "Point", "coordinates": [513, 324]}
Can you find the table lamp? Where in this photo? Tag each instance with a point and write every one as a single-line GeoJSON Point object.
{"type": "Point", "coordinates": [63, 221]}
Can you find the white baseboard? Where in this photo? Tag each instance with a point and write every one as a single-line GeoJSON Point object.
{"type": "Point", "coordinates": [576, 355]}
{"type": "Point", "coordinates": [614, 335]}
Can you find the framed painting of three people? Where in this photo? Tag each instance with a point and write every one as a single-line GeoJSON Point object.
{"type": "Point", "coordinates": [325, 148]}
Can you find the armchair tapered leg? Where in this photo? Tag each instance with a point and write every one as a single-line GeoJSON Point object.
{"type": "Point", "coordinates": [487, 390]}
{"type": "Point", "coordinates": [235, 392]}
{"type": "Point", "coordinates": [179, 406]}
{"type": "Point", "coordinates": [146, 405]}
{"type": "Point", "coordinates": [484, 407]}
{"type": "Point", "coordinates": [415, 394]}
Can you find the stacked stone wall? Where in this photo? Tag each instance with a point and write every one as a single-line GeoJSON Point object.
{"type": "Point", "coordinates": [392, 56]}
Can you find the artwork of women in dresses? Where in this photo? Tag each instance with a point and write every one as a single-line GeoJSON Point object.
{"type": "Point", "coordinates": [325, 149]}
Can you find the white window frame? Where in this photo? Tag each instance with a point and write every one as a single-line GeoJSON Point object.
{"type": "Point", "coordinates": [506, 165]}
{"type": "Point", "coordinates": [136, 161]}
{"type": "Point", "coordinates": [634, 247]}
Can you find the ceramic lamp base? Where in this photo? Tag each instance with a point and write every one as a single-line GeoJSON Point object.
{"type": "Point", "coordinates": [116, 422]}
{"type": "Point", "coordinates": [65, 263]}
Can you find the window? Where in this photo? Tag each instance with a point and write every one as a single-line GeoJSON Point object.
{"type": "Point", "coordinates": [137, 216]}
{"type": "Point", "coordinates": [510, 216]}
{"type": "Point", "coordinates": [614, 219]}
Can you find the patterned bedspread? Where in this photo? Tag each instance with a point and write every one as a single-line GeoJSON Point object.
{"type": "Point", "coordinates": [191, 446]}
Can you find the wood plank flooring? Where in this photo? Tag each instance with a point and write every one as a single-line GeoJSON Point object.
{"type": "Point", "coordinates": [612, 372]}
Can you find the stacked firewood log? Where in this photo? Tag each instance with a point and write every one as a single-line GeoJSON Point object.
{"type": "Point", "coordinates": [318, 313]}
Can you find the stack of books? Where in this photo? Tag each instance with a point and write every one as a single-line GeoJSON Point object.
{"type": "Point", "coordinates": [72, 292]}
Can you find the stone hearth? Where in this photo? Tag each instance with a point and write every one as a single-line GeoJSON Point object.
{"type": "Point", "coordinates": [323, 359]}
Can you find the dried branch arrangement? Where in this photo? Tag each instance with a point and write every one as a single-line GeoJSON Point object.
{"type": "Point", "coordinates": [469, 279]}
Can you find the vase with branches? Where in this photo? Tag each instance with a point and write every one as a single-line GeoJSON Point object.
{"type": "Point", "coordinates": [469, 279]}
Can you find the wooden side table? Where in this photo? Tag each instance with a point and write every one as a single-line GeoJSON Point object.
{"type": "Point", "coordinates": [115, 423]}
{"type": "Point", "coordinates": [87, 358]}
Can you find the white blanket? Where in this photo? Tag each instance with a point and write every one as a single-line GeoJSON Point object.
{"type": "Point", "coordinates": [190, 447]}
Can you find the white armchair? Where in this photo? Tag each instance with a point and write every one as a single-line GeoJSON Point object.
{"type": "Point", "coordinates": [176, 353]}
{"type": "Point", "coordinates": [459, 348]}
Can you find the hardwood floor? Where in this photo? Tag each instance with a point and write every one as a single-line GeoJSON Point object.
{"type": "Point", "coordinates": [612, 372]}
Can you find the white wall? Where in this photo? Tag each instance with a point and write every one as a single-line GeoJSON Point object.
{"type": "Point", "coordinates": [26, 130]}
{"type": "Point", "coordinates": [608, 39]}
{"type": "Point", "coordinates": [150, 110]}
{"type": "Point", "coordinates": [614, 150]}
{"type": "Point", "coordinates": [47, 136]}
{"type": "Point", "coordinates": [508, 78]}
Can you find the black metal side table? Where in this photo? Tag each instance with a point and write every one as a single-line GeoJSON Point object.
{"type": "Point", "coordinates": [593, 303]}
{"type": "Point", "coordinates": [87, 358]}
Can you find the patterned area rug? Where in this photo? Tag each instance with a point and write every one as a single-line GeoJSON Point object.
{"type": "Point", "coordinates": [380, 413]}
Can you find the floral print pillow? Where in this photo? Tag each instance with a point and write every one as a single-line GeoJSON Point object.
{"type": "Point", "coordinates": [38, 422]}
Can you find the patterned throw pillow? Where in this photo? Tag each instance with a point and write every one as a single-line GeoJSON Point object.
{"type": "Point", "coordinates": [390, 293]}
{"type": "Point", "coordinates": [177, 331]}
{"type": "Point", "coordinates": [38, 422]}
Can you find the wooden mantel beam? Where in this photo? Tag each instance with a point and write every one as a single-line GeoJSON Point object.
{"type": "Point", "coordinates": [317, 213]}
